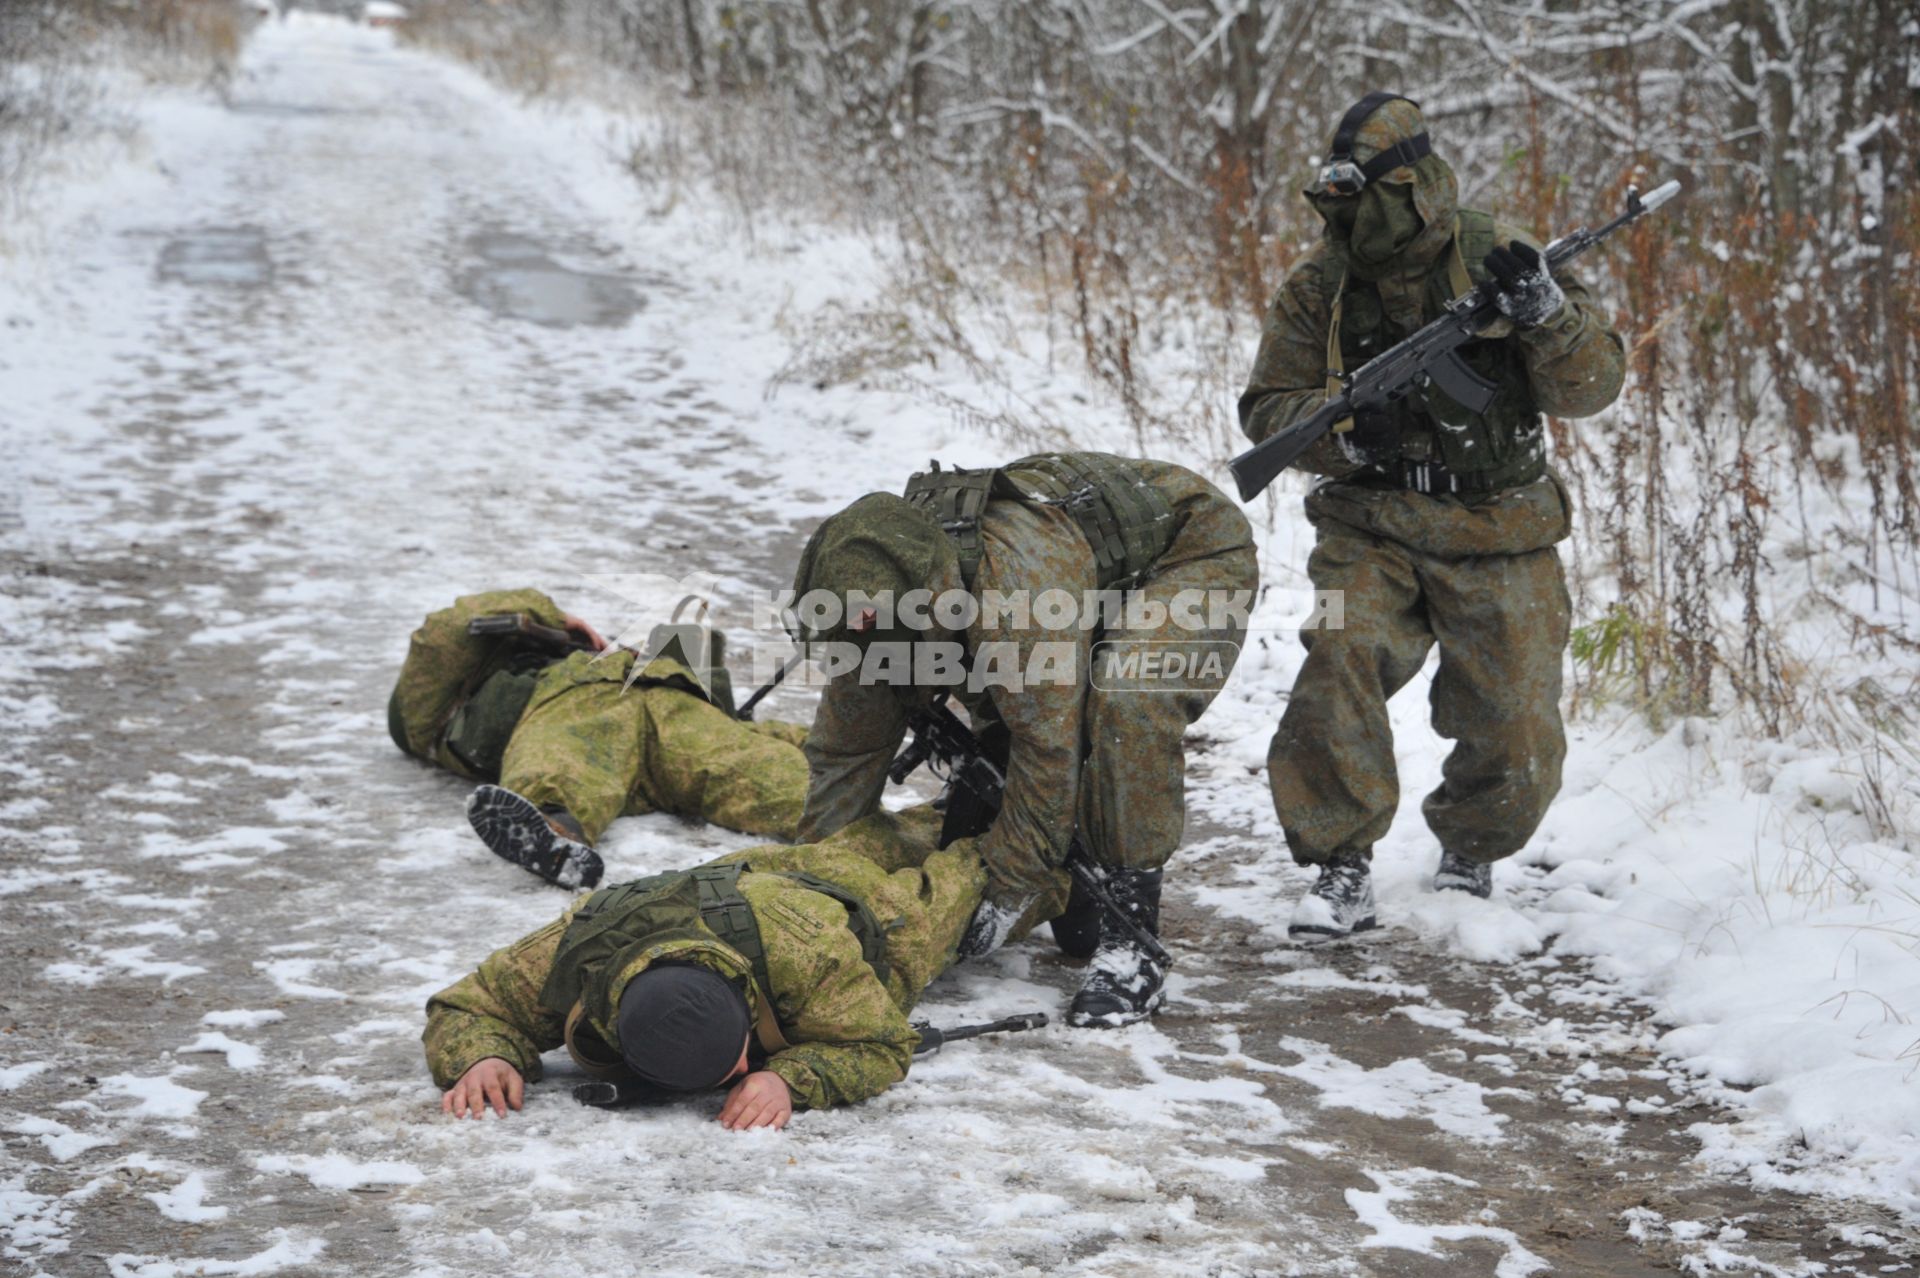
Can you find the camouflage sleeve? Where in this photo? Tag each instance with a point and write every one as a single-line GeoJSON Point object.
{"type": "Point", "coordinates": [1289, 377]}
{"type": "Point", "coordinates": [443, 658]}
{"type": "Point", "coordinates": [1575, 361]}
{"type": "Point", "coordinates": [794, 734]}
{"type": "Point", "coordinates": [850, 1040]}
{"type": "Point", "coordinates": [497, 1011]}
{"type": "Point", "coordinates": [856, 732]}
{"type": "Point", "coordinates": [1043, 715]}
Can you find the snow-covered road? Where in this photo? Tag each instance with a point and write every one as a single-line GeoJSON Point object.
{"type": "Point", "coordinates": [377, 336]}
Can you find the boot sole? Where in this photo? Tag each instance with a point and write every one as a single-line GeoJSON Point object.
{"type": "Point", "coordinates": [1116, 1020]}
{"type": "Point", "coordinates": [1310, 935]}
{"type": "Point", "coordinates": [514, 830]}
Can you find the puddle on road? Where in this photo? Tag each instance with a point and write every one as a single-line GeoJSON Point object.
{"type": "Point", "coordinates": [517, 278]}
{"type": "Point", "coordinates": [223, 256]}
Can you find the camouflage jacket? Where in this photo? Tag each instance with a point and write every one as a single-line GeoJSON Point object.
{"type": "Point", "coordinates": [857, 729]}
{"type": "Point", "coordinates": [848, 1031]}
{"type": "Point", "coordinates": [445, 665]}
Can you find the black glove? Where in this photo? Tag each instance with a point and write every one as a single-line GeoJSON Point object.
{"type": "Point", "coordinates": [1528, 294]}
{"type": "Point", "coordinates": [1375, 437]}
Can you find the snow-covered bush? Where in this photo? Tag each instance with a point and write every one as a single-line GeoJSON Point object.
{"type": "Point", "coordinates": [52, 54]}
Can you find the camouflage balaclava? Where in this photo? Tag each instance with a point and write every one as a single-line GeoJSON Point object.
{"type": "Point", "coordinates": [1402, 220]}
{"type": "Point", "coordinates": [879, 544]}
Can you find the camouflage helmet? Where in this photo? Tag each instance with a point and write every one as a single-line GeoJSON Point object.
{"type": "Point", "coordinates": [881, 544]}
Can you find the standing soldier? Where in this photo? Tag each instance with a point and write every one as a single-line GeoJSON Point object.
{"type": "Point", "coordinates": [1438, 524]}
{"type": "Point", "coordinates": [1089, 761]}
{"type": "Point", "coordinates": [567, 740]}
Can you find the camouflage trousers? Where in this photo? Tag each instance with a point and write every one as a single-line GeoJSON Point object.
{"type": "Point", "coordinates": [1488, 590]}
{"type": "Point", "coordinates": [599, 749]}
{"type": "Point", "coordinates": [1132, 799]}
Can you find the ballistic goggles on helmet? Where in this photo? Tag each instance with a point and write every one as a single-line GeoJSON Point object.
{"type": "Point", "coordinates": [1341, 175]}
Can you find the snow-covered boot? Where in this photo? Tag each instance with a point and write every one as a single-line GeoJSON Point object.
{"type": "Point", "coordinates": [1340, 904]}
{"type": "Point", "coordinates": [989, 928]}
{"type": "Point", "coordinates": [1457, 874]}
{"type": "Point", "coordinates": [1124, 983]}
{"type": "Point", "coordinates": [550, 844]}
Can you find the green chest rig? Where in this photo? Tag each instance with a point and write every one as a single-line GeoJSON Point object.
{"type": "Point", "coordinates": [1445, 448]}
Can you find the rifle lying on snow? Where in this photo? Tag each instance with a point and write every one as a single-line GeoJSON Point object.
{"type": "Point", "coordinates": [1431, 354]}
{"type": "Point", "coordinates": [975, 787]}
{"type": "Point", "coordinates": [933, 1038]}
{"type": "Point", "coordinates": [606, 1094]}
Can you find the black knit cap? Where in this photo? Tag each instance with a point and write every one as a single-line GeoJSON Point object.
{"type": "Point", "coordinates": [681, 1027]}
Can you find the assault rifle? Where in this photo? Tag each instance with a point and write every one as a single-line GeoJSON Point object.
{"type": "Point", "coordinates": [611, 1094]}
{"type": "Point", "coordinates": [975, 787]}
{"type": "Point", "coordinates": [745, 712]}
{"type": "Point", "coordinates": [539, 635]}
{"type": "Point", "coordinates": [1429, 355]}
{"type": "Point", "coordinates": [933, 1038]}
{"type": "Point", "coordinates": [975, 782]}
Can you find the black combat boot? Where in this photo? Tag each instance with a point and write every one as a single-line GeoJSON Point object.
{"type": "Point", "coordinates": [549, 843]}
{"type": "Point", "coordinates": [1124, 983]}
{"type": "Point", "coordinates": [1077, 930]}
{"type": "Point", "coordinates": [1457, 874]}
{"type": "Point", "coordinates": [1340, 904]}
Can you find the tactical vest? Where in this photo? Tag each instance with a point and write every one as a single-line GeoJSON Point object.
{"type": "Point", "coordinates": [618, 923]}
{"type": "Point", "coordinates": [1444, 447]}
{"type": "Point", "coordinates": [1127, 523]}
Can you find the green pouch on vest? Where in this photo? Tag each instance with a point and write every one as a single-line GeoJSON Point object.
{"type": "Point", "coordinates": [1468, 442]}
{"type": "Point", "coordinates": [478, 733]}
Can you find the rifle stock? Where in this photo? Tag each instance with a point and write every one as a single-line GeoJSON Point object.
{"type": "Point", "coordinates": [1260, 465]}
{"type": "Point", "coordinates": [519, 624]}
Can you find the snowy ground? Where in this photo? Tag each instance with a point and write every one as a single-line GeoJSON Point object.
{"type": "Point", "coordinates": [304, 369]}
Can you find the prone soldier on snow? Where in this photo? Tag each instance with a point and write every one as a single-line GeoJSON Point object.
{"type": "Point", "coordinates": [568, 736]}
{"type": "Point", "coordinates": [1092, 764]}
{"type": "Point", "coordinates": [786, 971]}
{"type": "Point", "coordinates": [1438, 522]}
